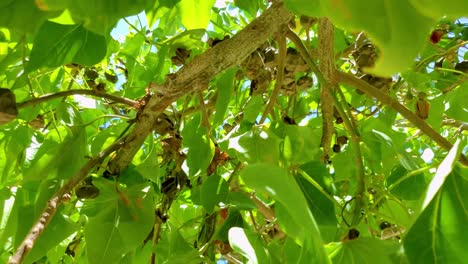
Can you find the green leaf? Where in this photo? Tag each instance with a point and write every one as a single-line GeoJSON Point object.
{"type": "Point", "coordinates": [200, 147]}
{"type": "Point", "coordinates": [304, 7]}
{"type": "Point", "coordinates": [198, 19]}
{"type": "Point", "coordinates": [437, 9]}
{"type": "Point", "coordinates": [253, 108]}
{"type": "Point", "coordinates": [251, 6]}
{"type": "Point", "coordinates": [384, 22]}
{"type": "Point", "coordinates": [303, 143]}
{"type": "Point", "coordinates": [53, 158]}
{"type": "Point", "coordinates": [172, 248]}
{"type": "Point", "coordinates": [279, 185]}
{"type": "Point", "coordinates": [365, 250]}
{"type": "Point", "coordinates": [23, 16]}
{"type": "Point", "coordinates": [214, 190]}
{"type": "Point", "coordinates": [249, 245]}
{"type": "Point", "coordinates": [102, 16]}
{"type": "Point", "coordinates": [57, 230]}
{"type": "Point", "coordinates": [240, 201]}
{"type": "Point", "coordinates": [225, 86]}
{"type": "Point", "coordinates": [256, 146]}
{"type": "Point", "coordinates": [234, 219]}
{"type": "Point", "coordinates": [57, 45]}
{"type": "Point", "coordinates": [119, 221]}
{"type": "Point", "coordinates": [438, 235]}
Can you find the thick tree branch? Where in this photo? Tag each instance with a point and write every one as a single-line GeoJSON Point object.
{"type": "Point", "coordinates": [53, 203]}
{"type": "Point", "coordinates": [61, 94]}
{"type": "Point", "coordinates": [199, 71]}
{"type": "Point", "coordinates": [370, 90]}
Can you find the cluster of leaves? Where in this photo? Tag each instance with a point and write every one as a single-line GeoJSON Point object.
{"type": "Point", "coordinates": [236, 170]}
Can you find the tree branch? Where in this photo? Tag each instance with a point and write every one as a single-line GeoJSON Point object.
{"type": "Point", "coordinates": [279, 77]}
{"type": "Point", "coordinates": [53, 203]}
{"type": "Point", "coordinates": [49, 97]}
{"type": "Point", "coordinates": [405, 112]}
{"type": "Point", "coordinates": [200, 70]}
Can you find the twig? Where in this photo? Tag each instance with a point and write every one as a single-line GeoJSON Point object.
{"type": "Point", "coordinates": [405, 112]}
{"type": "Point", "coordinates": [53, 203]}
{"type": "Point", "coordinates": [49, 97]}
{"type": "Point", "coordinates": [279, 77]}
{"type": "Point", "coordinates": [455, 123]}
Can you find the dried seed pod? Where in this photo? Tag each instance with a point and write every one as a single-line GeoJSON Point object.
{"type": "Point", "coordinates": [86, 191]}
{"type": "Point", "coordinates": [111, 77]}
{"type": "Point", "coordinates": [342, 140]}
{"type": "Point", "coordinates": [462, 66]}
{"type": "Point", "coordinates": [294, 62]}
{"type": "Point", "coordinates": [336, 148]}
{"type": "Point", "coordinates": [377, 82]}
{"type": "Point", "coordinates": [437, 35]}
{"type": "Point", "coordinates": [288, 120]}
{"type": "Point", "coordinates": [304, 82]}
{"type": "Point", "coordinates": [8, 109]}
{"type": "Point", "coordinates": [91, 74]}
{"type": "Point", "coordinates": [307, 22]}
{"type": "Point", "coordinates": [365, 56]}
{"type": "Point", "coordinates": [422, 107]}
{"type": "Point", "coordinates": [182, 54]}
{"type": "Point", "coordinates": [163, 124]}
{"type": "Point", "coordinates": [384, 224]}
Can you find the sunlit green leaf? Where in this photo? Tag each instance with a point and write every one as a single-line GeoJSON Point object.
{"type": "Point", "coordinates": [56, 45]}
{"type": "Point", "coordinates": [248, 244]}
{"type": "Point", "coordinates": [198, 19]}
{"type": "Point", "coordinates": [438, 234]}
{"type": "Point", "coordinates": [256, 146]}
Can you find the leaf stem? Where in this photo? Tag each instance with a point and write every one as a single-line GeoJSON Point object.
{"type": "Point", "coordinates": [52, 96]}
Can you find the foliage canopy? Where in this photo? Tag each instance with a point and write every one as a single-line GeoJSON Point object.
{"type": "Point", "coordinates": [248, 131]}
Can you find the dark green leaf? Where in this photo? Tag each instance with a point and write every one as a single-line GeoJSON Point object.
{"type": "Point", "coordinates": [200, 147]}
{"type": "Point", "coordinates": [121, 221]}
{"type": "Point", "coordinates": [214, 190]}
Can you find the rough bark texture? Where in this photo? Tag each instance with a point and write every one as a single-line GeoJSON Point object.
{"type": "Point", "coordinates": [196, 75]}
{"type": "Point", "coordinates": [327, 68]}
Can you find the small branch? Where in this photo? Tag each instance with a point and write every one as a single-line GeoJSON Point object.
{"type": "Point", "coordinates": [53, 203]}
{"type": "Point", "coordinates": [205, 116]}
{"type": "Point", "coordinates": [49, 97]}
{"type": "Point", "coordinates": [455, 123]}
{"type": "Point", "coordinates": [279, 77]}
{"type": "Point", "coordinates": [405, 112]}
{"type": "Point", "coordinates": [327, 68]}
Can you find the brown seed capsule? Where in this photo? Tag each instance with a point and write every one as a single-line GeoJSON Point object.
{"type": "Point", "coordinates": [336, 148]}
{"type": "Point", "coordinates": [342, 140]}
{"type": "Point", "coordinates": [8, 109]}
{"type": "Point", "coordinates": [91, 74]}
{"type": "Point", "coordinates": [422, 107]}
{"type": "Point", "coordinates": [87, 191]}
